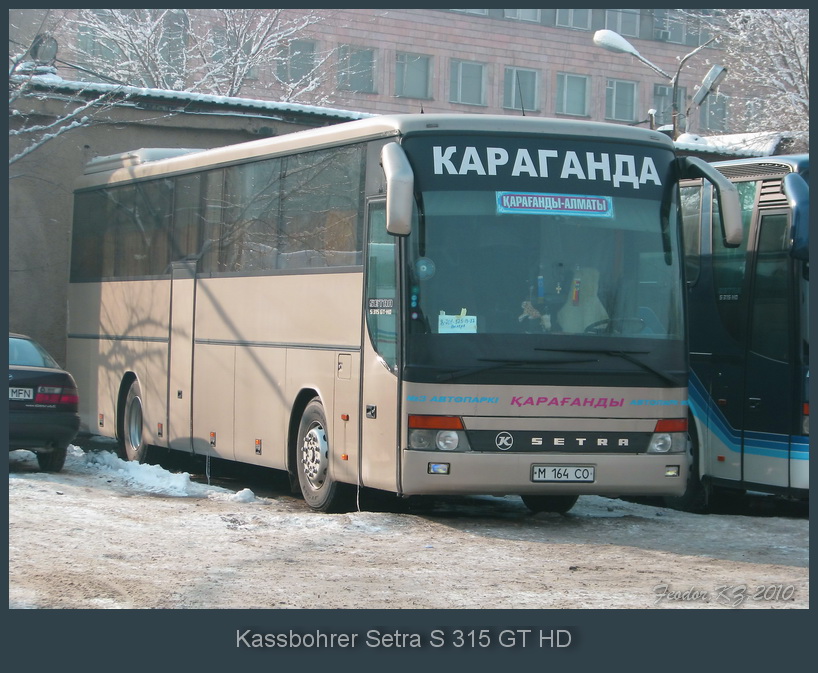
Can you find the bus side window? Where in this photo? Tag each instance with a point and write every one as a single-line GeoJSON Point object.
{"type": "Point", "coordinates": [730, 264]}
{"type": "Point", "coordinates": [691, 230]}
{"type": "Point", "coordinates": [381, 293]}
{"type": "Point", "coordinates": [771, 320]}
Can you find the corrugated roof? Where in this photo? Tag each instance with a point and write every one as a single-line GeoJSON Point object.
{"type": "Point", "coordinates": [57, 84]}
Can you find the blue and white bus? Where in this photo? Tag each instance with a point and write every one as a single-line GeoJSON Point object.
{"type": "Point", "coordinates": [749, 334]}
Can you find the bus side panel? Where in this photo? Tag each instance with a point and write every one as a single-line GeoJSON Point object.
{"type": "Point", "coordinates": [380, 423]}
{"type": "Point", "coordinates": [799, 463]}
{"type": "Point", "coordinates": [82, 357]}
{"type": "Point", "coordinates": [127, 323]}
{"type": "Point", "coordinates": [213, 398]}
{"type": "Point", "coordinates": [259, 342]}
{"type": "Point", "coordinates": [260, 400]}
{"type": "Point", "coordinates": [719, 442]}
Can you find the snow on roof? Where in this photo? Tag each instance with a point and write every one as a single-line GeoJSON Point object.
{"type": "Point", "coordinates": [55, 82]}
{"type": "Point", "coordinates": [761, 144]}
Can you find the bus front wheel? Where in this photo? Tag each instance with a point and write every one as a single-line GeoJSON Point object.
{"type": "Point", "coordinates": [320, 490]}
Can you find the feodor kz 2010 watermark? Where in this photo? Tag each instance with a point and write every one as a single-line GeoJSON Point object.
{"type": "Point", "coordinates": [731, 595]}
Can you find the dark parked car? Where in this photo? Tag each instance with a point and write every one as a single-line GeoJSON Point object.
{"type": "Point", "coordinates": [43, 403]}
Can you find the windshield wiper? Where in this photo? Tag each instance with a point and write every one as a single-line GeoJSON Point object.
{"type": "Point", "coordinates": [625, 355]}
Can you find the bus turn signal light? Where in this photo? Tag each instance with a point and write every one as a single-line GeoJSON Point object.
{"type": "Point", "coordinates": [435, 422]}
{"type": "Point", "coordinates": [671, 425]}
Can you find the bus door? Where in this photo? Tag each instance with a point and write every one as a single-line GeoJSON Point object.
{"type": "Point", "coordinates": [379, 387]}
{"type": "Point", "coordinates": [180, 355]}
{"type": "Point", "coordinates": [771, 397]}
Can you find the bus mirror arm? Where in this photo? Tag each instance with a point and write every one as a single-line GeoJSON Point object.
{"type": "Point", "coordinates": [796, 190]}
{"type": "Point", "coordinates": [400, 189]}
{"type": "Point", "coordinates": [729, 206]}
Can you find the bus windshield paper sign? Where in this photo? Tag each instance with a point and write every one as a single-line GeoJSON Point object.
{"type": "Point", "coordinates": [457, 324]}
{"type": "Point", "coordinates": [531, 203]}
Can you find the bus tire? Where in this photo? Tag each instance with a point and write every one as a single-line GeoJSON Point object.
{"type": "Point", "coordinates": [132, 444]}
{"type": "Point", "coordinates": [321, 492]}
{"type": "Point", "coordinates": [559, 504]}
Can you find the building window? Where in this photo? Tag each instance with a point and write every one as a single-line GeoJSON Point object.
{"type": "Point", "coordinates": [467, 83]}
{"type": "Point", "coordinates": [356, 71]}
{"type": "Point", "coordinates": [520, 89]}
{"type": "Point", "coordinates": [479, 12]}
{"type": "Point", "coordinates": [572, 94]}
{"type": "Point", "coordinates": [412, 78]}
{"type": "Point", "coordinates": [713, 113]}
{"type": "Point", "coordinates": [623, 21]}
{"type": "Point", "coordinates": [532, 15]}
{"type": "Point", "coordinates": [227, 52]}
{"type": "Point", "coordinates": [297, 62]}
{"type": "Point", "coordinates": [671, 25]}
{"type": "Point", "coordinates": [663, 104]}
{"type": "Point", "coordinates": [620, 100]}
{"type": "Point", "coordinates": [574, 18]}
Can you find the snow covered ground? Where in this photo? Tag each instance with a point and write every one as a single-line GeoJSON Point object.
{"type": "Point", "coordinates": [111, 534]}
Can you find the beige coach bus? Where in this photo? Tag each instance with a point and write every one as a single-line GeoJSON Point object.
{"type": "Point", "coordinates": [421, 304]}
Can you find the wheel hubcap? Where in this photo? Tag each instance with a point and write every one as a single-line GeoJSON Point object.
{"type": "Point", "coordinates": [315, 455]}
{"type": "Point", "coordinates": [134, 430]}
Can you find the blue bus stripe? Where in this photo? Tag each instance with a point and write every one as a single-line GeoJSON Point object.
{"type": "Point", "coordinates": [755, 443]}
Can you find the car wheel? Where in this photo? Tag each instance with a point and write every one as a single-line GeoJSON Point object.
{"type": "Point", "coordinates": [132, 444]}
{"type": "Point", "coordinates": [550, 503]}
{"type": "Point", "coordinates": [52, 461]}
{"type": "Point", "coordinates": [320, 490]}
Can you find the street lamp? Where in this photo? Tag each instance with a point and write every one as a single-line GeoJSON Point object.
{"type": "Point", "coordinates": [608, 39]}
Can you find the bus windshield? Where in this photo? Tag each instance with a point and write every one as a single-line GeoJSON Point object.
{"type": "Point", "coordinates": [549, 281]}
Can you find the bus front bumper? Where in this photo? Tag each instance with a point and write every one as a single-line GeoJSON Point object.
{"type": "Point", "coordinates": [455, 473]}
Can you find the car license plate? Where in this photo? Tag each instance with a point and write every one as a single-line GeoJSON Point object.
{"type": "Point", "coordinates": [564, 473]}
{"type": "Point", "coordinates": [21, 393]}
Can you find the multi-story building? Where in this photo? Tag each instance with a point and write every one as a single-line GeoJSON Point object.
{"type": "Point", "coordinates": [518, 61]}
{"type": "Point", "coordinates": [497, 61]}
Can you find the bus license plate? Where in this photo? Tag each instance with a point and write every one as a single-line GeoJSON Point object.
{"type": "Point", "coordinates": [564, 473]}
{"type": "Point", "coordinates": [21, 393]}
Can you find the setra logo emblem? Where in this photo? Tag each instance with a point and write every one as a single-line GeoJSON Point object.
{"type": "Point", "coordinates": [504, 441]}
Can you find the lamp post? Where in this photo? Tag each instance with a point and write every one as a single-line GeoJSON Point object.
{"type": "Point", "coordinates": [608, 39]}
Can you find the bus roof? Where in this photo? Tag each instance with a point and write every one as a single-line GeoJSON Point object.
{"type": "Point", "coordinates": [146, 163]}
{"type": "Point", "coordinates": [761, 166]}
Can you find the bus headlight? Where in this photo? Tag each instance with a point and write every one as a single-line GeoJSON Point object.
{"type": "Point", "coordinates": [441, 433]}
{"type": "Point", "coordinates": [669, 436]}
{"type": "Point", "coordinates": [667, 442]}
{"type": "Point", "coordinates": [421, 439]}
{"type": "Point", "coordinates": [447, 440]}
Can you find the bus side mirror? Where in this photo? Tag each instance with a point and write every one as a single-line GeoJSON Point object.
{"type": "Point", "coordinates": [727, 194]}
{"type": "Point", "coordinates": [796, 190]}
{"type": "Point", "coordinates": [400, 189]}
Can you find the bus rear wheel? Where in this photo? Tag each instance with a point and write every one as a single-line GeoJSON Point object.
{"type": "Point", "coordinates": [550, 503]}
{"type": "Point", "coordinates": [132, 444]}
{"type": "Point", "coordinates": [321, 492]}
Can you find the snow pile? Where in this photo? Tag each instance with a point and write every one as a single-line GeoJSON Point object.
{"type": "Point", "coordinates": [149, 479]}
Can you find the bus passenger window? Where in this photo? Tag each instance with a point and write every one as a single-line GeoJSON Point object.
{"type": "Point", "coordinates": [770, 306]}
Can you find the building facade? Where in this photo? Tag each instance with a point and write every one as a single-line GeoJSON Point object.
{"type": "Point", "coordinates": [539, 62]}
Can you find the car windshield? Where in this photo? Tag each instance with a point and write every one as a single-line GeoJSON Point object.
{"type": "Point", "coordinates": [27, 353]}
